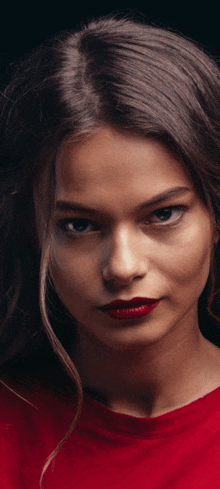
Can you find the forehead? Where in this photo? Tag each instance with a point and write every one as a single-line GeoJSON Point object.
{"type": "Point", "coordinates": [112, 163]}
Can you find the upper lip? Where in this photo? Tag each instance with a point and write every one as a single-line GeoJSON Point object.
{"type": "Point", "coordinates": [120, 304]}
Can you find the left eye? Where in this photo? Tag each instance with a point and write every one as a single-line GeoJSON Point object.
{"type": "Point", "coordinates": [167, 215]}
{"type": "Point", "coordinates": [77, 226]}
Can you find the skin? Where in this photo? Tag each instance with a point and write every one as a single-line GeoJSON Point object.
{"type": "Point", "coordinates": [150, 365]}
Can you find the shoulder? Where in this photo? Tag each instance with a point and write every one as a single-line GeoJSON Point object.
{"type": "Point", "coordinates": [37, 399]}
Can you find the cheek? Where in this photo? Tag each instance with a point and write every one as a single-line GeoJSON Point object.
{"type": "Point", "coordinates": [190, 262]}
{"type": "Point", "coordinates": [74, 276]}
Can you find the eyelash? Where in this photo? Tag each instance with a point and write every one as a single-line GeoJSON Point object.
{"type": "Point", "coordinates": [64, 223]}
{"type": "Point", "coordinates": [180, 209]}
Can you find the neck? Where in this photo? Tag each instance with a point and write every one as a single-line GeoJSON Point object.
{"type": "Point", "coordinates": [153, 379]}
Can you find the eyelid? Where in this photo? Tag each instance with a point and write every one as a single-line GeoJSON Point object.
{"type": "Point", "coordinates": [179, 208]}
{"type": "Point", "coordinates": [60, 225]}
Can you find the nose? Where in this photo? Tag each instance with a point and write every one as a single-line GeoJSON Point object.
{"type": "Point", "coordinates": [123, 258]}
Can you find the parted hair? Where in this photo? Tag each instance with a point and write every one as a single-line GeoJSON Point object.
{"type": "Point", "coordinates": [140, 78]}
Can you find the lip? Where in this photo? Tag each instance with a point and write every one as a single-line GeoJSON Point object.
{"type": "Point", "coordinates": [134, 308]}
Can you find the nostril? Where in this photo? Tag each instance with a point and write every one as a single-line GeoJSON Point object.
{"type": "Point", "coordinates": [122, 276]}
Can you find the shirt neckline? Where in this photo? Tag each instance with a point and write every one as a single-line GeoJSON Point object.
{"type": "Point", "coordinates": [100, 418]}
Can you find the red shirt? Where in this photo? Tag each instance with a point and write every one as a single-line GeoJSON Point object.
{"type": "Point", "coordinates": [107, 450]}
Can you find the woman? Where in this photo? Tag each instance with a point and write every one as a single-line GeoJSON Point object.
{"type": "Point", "coordinates": [110, 194]}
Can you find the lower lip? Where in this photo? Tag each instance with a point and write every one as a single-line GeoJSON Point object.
{"type": "Point", "coordinates": [132, 312]}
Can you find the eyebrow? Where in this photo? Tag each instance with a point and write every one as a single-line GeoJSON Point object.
{"type": "Point", "coordinates": [63, 205]}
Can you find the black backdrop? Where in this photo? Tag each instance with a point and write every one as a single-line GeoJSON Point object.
{"type": "Point", "coordinates": [24, 25]}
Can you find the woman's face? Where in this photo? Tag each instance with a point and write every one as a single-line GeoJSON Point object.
{"type": "Point", "coordinates": [129, 224]}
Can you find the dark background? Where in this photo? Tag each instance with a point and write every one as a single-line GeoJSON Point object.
{"type": "Point", "coordinates": [24, 25]}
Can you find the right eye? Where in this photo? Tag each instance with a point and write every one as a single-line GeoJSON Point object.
{"type": "Point", "coordinates": [77, 226]}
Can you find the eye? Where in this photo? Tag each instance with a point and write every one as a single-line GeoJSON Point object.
{"type": "Point", "coordinates": [167, 215]}
{"type": "Point", "coordinates": [77, 226]}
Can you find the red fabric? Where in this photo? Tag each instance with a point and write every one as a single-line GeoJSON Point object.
{"type": "Point", "coordinates": [107, 450]}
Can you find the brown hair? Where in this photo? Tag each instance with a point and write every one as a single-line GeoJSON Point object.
{"type": "Point", "coordinates": [139, 78]}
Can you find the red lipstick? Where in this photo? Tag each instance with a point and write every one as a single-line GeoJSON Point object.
{"type": "Point", "coordinates": [132, 309]}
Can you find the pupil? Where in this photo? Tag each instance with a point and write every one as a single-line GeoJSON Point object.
{"type": "Point", "coordinates": [164, 214]}
{"type": "Point", "coordinates": [80, 224]}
